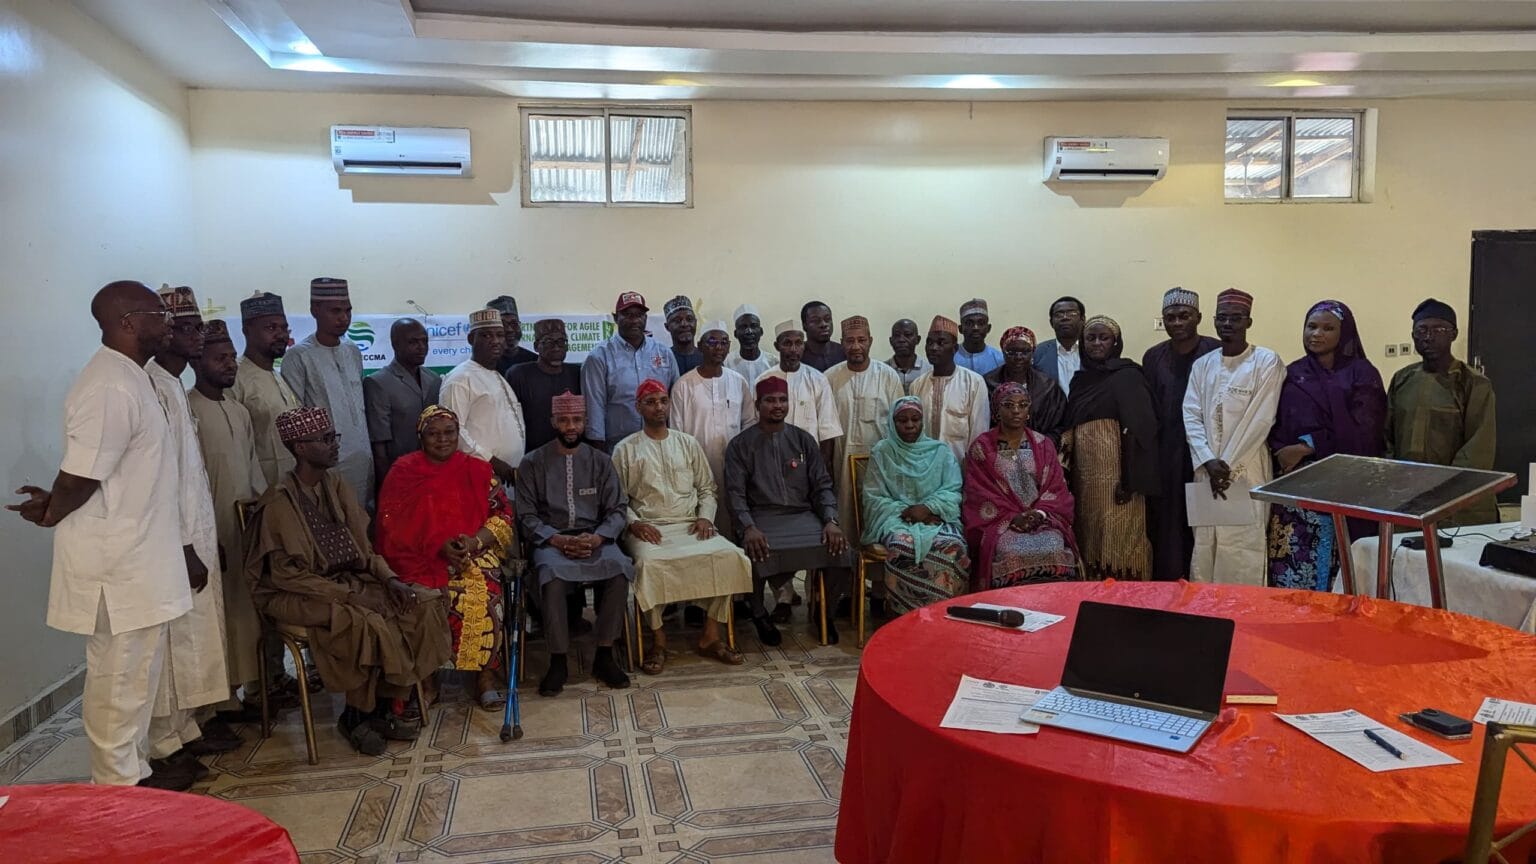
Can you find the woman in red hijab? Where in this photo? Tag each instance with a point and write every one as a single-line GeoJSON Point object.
{"type": "Point", "coordinates": [444, 522]}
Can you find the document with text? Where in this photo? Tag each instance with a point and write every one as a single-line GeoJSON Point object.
{"type": "Point", "coordinates": [1367, 741]}
{"type": "Point", "coordinates": [991, 706]}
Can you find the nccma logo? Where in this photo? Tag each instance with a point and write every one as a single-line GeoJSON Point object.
{"type": "Point", "coordinates": [361, 335]}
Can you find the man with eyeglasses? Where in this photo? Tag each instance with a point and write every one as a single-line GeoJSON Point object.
{"type": "Point", "coordinates": [257, 385]}
{"type": "Point", "coordinates": [1441, 410]}
{"type": "Point", "coordinates": [1228, 410]}
{"type": "Point", "coordinates": [1061, 357]}
{"type": "Point", "coordinates": [122, 567]}
{"type": "Point", "coordinates": [713, 404]}
{"type": "Point", "coordinates": [490, 416]}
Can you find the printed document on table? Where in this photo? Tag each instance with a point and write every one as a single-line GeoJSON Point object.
{"type": "Point", "coordinates": [1344, 733]}
{"type": "Point", "coordinates": [991, 706]}
{"type": "Point", "coordinates": [1032, 620]}
{"type": "Point", "coordinates": [1503, 711]}
{"type": "Point", "coordinates": [1206, 510]}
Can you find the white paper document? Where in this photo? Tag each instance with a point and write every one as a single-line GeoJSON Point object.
{"type": "Point", "coordinates": [1206, 510]}
{"type": "Point", "coordinates": [1502, 711]}
{"type": "Point", "coordinates": [1032, 620]}
{"type": "Point", "coordinates": [1344, 733]}
{"type": "Point", "coordinates": [990, 706]}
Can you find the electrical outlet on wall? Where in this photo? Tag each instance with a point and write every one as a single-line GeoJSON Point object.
{"type": "Point", "coordinates": [1157, 323]}
{"type": "Point", "coordinates": [1404, 349]}
{"type": "Point", "coordinates": [1391, 350]}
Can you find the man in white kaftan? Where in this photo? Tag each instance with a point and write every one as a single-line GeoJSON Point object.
{"type": "Point", "coordinates": [959, 408]}
{"type": "Point", "coordinates": [713, 404]}
{"type": "Point", "coordinates": [490, 417]}
{"type": "Point", "coordinates": [863, 391]}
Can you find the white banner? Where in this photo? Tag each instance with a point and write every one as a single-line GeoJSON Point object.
{"type": "Point", "coordinates": [449, 336]}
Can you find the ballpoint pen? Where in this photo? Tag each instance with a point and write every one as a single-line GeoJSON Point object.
{"type": "Point", "coordinates": [1382, 743]}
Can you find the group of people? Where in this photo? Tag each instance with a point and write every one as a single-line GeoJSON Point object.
{"type": "Point", "coordinates": [378, 514]}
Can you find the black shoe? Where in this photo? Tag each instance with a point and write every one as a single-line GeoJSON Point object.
{"type": "Point", "coordinates": [606, 669]}
{"type": "Point", "coordinates": [844, 609]}
{"type": "Point", "coordinates": [188, 760]}
{"type": "Point", "coordinates": [362, 736]}
{"type": "Point", "coordinates": [168, 776]}
{"type": "Point", "coordinates": [693, 616]}
{"type": "Point", "coordinates": [741, 608]}
{"type": "Point", "coordinates": [781, 613]}
{"type": "Point", "coordinates": [877, 607]}
{"type": "Point", "coordinates": [211, 746]}
{"type": "Point", "coordinates": [831, 630]}
{"type": "Point", "coordinates": [767, 633]}
{"type": "Point", "coordinates": [249, 712]}
{"type": "Point", "coordinates": [554, 679]}
{"type": "Point", "coordinates": [394, 729]}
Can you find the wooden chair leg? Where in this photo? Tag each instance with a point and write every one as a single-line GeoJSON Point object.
{"type": "Point", "coordinates": [261, 684]}
{"type": "Point", "coordinates": [639, 635]}
{"type": "Point", "coordinates": [730, 624]}
{"type": "Point", "coordinates": [421, 699]}
{"type": "Point", "coordinates": [859, 600]}
{"type": "Point", "coordinates": [309, 718]}
{"type": "Point", "coordinates": [821, 600]}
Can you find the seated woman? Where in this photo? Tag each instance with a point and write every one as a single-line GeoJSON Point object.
{"type": "Point", "coordinates": [309, 561]}
{"type": "Point", "coordinates": [911, 500]}
{"type": "Point", "coordinates": [444, 522]}
{"type": "Point", "coordinates": [1017, 510]}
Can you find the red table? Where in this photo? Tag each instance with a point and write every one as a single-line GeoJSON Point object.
{"type": "Point", "coordinates": [1253, 789]}
{"type": "Point", "coordinates": [79, 823]}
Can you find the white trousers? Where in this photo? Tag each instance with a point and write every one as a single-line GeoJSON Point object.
{"type": "Point", "coordinates": [121, 673]}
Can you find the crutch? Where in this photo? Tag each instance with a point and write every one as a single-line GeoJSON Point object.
{"type": "Point", "coordinates": [511, 718]}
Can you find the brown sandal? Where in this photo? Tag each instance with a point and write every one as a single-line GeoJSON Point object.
{"type": "Point", "coordinates": [717, 650]}
{"type": "Point", "coordinates": [655, 661]}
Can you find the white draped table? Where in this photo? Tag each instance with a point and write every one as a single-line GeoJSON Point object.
{"type": "Point", "coordinates": [1471, 589]}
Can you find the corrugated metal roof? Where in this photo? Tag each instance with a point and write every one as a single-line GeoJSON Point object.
{"type": "Point", "coordinates": [566, 158]}
{"type": "Point", "coordinates": [1255, 149]}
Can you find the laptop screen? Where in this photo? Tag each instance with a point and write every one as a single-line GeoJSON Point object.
{"type": "Point", "coordinates": [1149, 654]}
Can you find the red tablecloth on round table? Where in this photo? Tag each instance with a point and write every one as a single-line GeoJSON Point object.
{"type": "Point", "coordinates": [1253, 789]}
{"type": "Point", "coordinates": [79, 823]}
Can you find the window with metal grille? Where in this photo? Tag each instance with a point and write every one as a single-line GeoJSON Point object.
{"type": "Point", "coordinates": [1293, 156]}
{"type": "Point", "coordinates": [619, 156]}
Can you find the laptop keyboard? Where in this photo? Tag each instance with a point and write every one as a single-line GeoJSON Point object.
{"type": "Point", "coordinates": [1130, 715]}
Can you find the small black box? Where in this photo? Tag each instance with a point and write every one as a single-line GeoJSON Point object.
{"type": "Point", "coordinates": [1513, 556]}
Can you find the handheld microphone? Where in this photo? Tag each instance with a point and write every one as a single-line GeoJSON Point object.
{"type": "Point", "coordinates": [1000, 617]}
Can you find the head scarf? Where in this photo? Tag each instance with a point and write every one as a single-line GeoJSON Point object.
{"type": "Point", "coordinates": [1433, 308]}
{"type": "Point", "coordinates": [1115, 389]}
{"type": "Point", "coordinates": [772, 384]}
{"type": "Point", "coordinates": [1350, 347]}
{"type": "Point", "coordinates": [923, 472]}
{"type": "Point", "coordinates": [647, 387]}
{"type": "Point", "coordinates": [296, 423]}
{"type": "Point", "coordinates": [430, 413]}
{"type": "Point", "coordinates": [1014, 334]}
{"type": "Point", "coordinates": [1008, 388]}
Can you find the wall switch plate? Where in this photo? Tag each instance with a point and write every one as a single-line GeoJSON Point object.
{"type": "Point", "coordinates": [1157, 323]}
{"type": "Point", "coordinates": [1391, 350]}
{"type": "Point", "coordinates": [1404, 349]}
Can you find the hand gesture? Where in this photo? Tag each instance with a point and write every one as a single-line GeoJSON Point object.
{"type": "Point", "coordinates": [400, 595]}
{"type": "Point", "coordinates": [35, 508]}
{"type": "Point", "coordinates": [1221, 477]}
{"type": "Point", "coordinates": [755, 543]}
{"type": "Point", "coordinates": [646, 532]}
{"type": "Point", "coordinates": [916, 513]}
{"type": "Point", "coordinates": [1027, 521]}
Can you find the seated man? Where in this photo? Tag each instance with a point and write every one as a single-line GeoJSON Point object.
{"type": "Point", "coordinates": [780, 494]}
{"type": "Point", "coordinates": [571, 509]}
{"type": "Point", "coordinates": [307, 552]}
{"type": "Point", "coordinates": [678, 555]}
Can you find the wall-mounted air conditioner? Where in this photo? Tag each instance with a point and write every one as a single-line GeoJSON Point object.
{"type": "Point", "coordinates": [400, 150]}
{"type": "Point", "coordinates": [1099, 160]}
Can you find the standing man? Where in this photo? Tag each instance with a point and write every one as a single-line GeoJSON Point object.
{"type": "Point", "coordinates": [905, 359]}
{"type": "Point", "coordinates": [821, 353]}
{"type": "Point", "coordinates": [490, 417]}
{"type": "Point", "coordinates": [713, 404]}
{"type": "Point", "coordinates": [571, 507]}
{"type": "Point", "coordinates": [195, 674]}
{"type": "Point", "coordinates": [781, 499]}
{"type": "Point", "coordinates": [512, 352]}
{"type": "Point", "coordinates": [863, 392]}
{"type": "Point", "coordinates": [1167, 366]}
{"type": "Point", "coordinates": [749, 360]}
{"type": "Point", "coordinates": [1061, 357]}
{"type": "Point", "coordinates": [959, 408]}
{"type": "Point", "coordinates": [678, 554]}
{"type": "Point", "coordinates": [326, 371]}
{"type": "Point", "coordinates": [122, 570]}
{"type": "Point", "coordinates": [257, 386]}
{"type": "Point", "coordinates": [681, 324]}
{"type": "Point", "coordinates": [613, 371]}
{"type": "Point", "coordinates": [395, 396]}
{"type": "Point", "coordinates": [1229, 408]}
{"type": "Point", "coordinates": [975, 354]}
{"type": "Point", "coordinates": [810, 396]}
{"type": "Point", "coordinates": [229, 454]}
{"type": "Point", "coordinates": [1441, 410]}
{"type": "Point", "coordinates": [536, 384]}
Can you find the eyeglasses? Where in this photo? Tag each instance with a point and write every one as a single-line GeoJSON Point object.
{"type": "Point", "coordinates": [716, 342]}
{"type": "Point", "coordinates": [327, 438]}
{"type": "Point", "coordinates": [165, 314]}
{"type": "Point", "coordinates": [1018, 352]}
{"type": "Point", "coordinates": [1435, 330]}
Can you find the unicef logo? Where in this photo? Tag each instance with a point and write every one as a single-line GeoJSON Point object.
{"type": "Point", "coordinates": [361, 335]}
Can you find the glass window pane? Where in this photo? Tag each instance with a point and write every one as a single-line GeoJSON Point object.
{"type": "Point", "coordinates": [650, 159]}
{"type": "Point", "coordinates": [565, 158]}
{"type": "Point", "coordinates": [1323, 163]}
{"type": "Point", "coordinates": [1255, 159]}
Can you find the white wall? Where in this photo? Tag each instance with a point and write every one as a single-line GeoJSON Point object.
{"type": "Point", "coordinates": [888, 209]}
{"type": "Point", "coordinates": [94, 186]}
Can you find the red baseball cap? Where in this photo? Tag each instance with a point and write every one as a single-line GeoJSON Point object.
{"type": "Point", "coordinates": [628, 299]}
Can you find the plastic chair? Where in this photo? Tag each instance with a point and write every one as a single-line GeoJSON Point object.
{"type": "Point", "coordinates": [1498, 741]}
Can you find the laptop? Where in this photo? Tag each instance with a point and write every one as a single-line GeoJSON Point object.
{"type": "Point", "coordinates": [1146, 676]}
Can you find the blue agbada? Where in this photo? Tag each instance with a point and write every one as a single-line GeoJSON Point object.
{"type": "Point", "coordinates": [901, 475]}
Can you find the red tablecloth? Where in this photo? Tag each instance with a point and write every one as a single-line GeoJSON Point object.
{"type": "Point", "coordinates": [1253, 789]}
{"type": "Point", "coordinates": [97, 824]}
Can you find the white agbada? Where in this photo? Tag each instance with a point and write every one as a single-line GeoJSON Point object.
{"type": "Point", "coordinates": [863, 402]}
{"type": "Point", "coordinates": [331, 377]}
{"type": "Point", "coordinates": [1228, 410]}
{"type": "Point", "coordinates": [958, 411]}
{"type": "Point", "coordinates": [195, 671]}
{"type": "Point", "coordinates": [713, 411]}
{"type": "Point", "coordinates": [490, 417]}
{"type": "Point", "coordinates": [750, 369]}
{"type": "Point", "coordinates": [810, 401]}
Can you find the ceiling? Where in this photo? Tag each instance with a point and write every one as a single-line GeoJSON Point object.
{"type": "Point", "coordinates": [845, 49]}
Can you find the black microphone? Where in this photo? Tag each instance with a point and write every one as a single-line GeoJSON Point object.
{"type": "Point", "coordinates": [1001, 617]}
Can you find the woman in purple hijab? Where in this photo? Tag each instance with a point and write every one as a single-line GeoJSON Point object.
{"type": "Point", "coordinates": [1332, 402]}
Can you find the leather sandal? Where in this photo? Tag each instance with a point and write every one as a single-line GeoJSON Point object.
{"type": "Point", "coordinates": [718, 650]}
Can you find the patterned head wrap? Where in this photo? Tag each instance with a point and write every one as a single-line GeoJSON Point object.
{"type": "Point", "coordinates": [327, 288]}
{"type": "Point", "coordinates": [857, 325]}
{"type": "Point", "coordinates": [216, 331]}
{"type": "Point", "coordinates": [306, 422]}
{"type": "Point", "coordinates": [568, 403]}
{"type": "Point", "coordinates": [1015, 334]}
{"type": "Point", "coordinates": [430, 413]}
{"type": "Point", "coordinates": [783, 327]}
{"type": "Point", "coordinates": [1234, 297]}
{"type": "Point", "coordinates": [484, 319]}
{"type": "Point", "coordinates": [1433, 308]}
{"type": "Point", "coordinates": [504, 304]}
{"type": "Point", "coordinates": [181, 302]}
{"type": "Point", "coordinates": [976, 306]}
{"type": "Point", "coordinates": [772, 384]}
{"type": "Point", "coordinates": [906, 403]}
{"type": "Point", "coordinates": [1007, 389]}
{"type": "Point", "coordinates": [1114, 326]}
{"type": "Point", "coordinates": [647, 387]}
{"type": "Point", "coordinates": [944, 325]}
{"type": "Point", "coordinates": [1181, 297]}
{"type": "Point", "coordinates": [260, 305]}
{"type": "Point", "coordinates": [676, 304]}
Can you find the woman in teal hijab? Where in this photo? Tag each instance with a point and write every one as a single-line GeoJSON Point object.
{"type": "Point", "coordinates": [912, 508]}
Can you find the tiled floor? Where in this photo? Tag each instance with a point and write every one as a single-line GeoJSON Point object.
{"type": "Point", "coordinates": [704, 763]}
